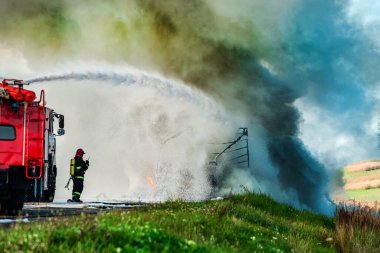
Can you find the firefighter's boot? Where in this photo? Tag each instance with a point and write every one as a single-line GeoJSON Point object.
{"type": "Point", "coordinates": [76, 199]}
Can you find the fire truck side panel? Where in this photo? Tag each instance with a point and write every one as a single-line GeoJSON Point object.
{"type": "Point", "coordinates": [36, 126]}
{"type": "Point", "coordinates": [11, 151]}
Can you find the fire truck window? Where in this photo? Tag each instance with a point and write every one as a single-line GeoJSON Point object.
{"type": "Point", "coordinates": [7, 133]}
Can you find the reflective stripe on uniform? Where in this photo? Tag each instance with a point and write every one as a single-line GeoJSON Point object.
{"type": "Point", "coordinates": [78, 168]}
{"type": "Point", "coordinates": [77, 193]}
{"type": "Point", "coordinates": [79, 177]}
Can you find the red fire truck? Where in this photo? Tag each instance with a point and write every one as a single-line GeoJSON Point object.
{"type": "Point", "coordinates": [27, 146]}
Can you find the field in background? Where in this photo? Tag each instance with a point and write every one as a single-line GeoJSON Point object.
{"type": "Point", "coordinates": [362, 182]}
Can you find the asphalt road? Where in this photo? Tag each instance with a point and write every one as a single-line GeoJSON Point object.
{"type": "Point", "coordinates": [34, 212]}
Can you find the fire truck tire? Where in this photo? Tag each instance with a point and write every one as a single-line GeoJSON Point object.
{"type": "Point", "coordinates": [49, 193]}
{"type": "Point", "coordinates": [16, 202]}
{"type": "Point", "coordinates": [3, 207]}
{"type": "Point", "coordinates": [13, 205]}
{"type": "Point", "coordinates": [49, 196]}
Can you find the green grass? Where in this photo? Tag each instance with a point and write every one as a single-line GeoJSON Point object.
{"type": "Point", "coordinates": [246, 223]}
{"type": "Point", "coordinates": [357, 229]}
{"type": "Point", "coordinates": [365, 194]}
{"type": "Point", "coordinates": [352, 175]}
{"type": "Point", "coordinates": [357, 174]}
{"type": "Point", "coordinates": [371, 194]}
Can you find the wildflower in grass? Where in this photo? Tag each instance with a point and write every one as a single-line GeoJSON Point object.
{"type": "Point", "coordinates": [191, 242]}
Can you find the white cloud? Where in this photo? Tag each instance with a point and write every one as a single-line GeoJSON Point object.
{"type": "Point", "coordinates": [329, 138]}
{"type": "Point", "coordinates": [364, 15]}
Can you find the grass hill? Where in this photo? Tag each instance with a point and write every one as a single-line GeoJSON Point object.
{"type": "Point", "coordinates": [362, 181]}
{"type": "Point", "coordinates": [244, 223]}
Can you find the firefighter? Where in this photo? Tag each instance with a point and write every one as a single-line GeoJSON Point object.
{"type": "Point", "coordinates": [80, 168]}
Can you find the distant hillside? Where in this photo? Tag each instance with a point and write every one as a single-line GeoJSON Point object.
{"type": "Point", "coordinates": [362, 181]}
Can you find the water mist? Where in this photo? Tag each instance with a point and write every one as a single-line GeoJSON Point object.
{"type": "Point", "coordinates": [146, 136]}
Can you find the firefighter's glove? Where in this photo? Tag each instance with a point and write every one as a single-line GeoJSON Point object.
{"type": "Point", "coordinates": [88, 163]}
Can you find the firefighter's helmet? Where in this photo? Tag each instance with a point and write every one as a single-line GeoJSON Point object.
{"type": "Point", "coordinates": [80, 152]}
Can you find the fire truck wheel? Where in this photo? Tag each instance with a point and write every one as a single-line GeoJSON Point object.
{"type": "Point", "coordinates": [16, 202]}
{"type": "Point", "coordinates": [50, 192]}
{"type": "Point", "coordinates": [3, 207]}
{"type": "Point", "coordinates": [49, 195]}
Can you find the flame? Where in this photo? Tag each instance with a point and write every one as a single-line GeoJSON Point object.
{"type": "Point", "coordinates": [151, 182]}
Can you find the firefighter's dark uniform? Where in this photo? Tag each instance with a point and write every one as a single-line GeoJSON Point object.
{"type": "Point", "coordinates": [80, 168]}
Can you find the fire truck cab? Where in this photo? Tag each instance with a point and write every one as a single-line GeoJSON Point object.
{"type": "Point", "coordinates": [27, 147]}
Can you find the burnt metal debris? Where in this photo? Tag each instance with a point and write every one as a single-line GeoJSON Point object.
{"type": "Point", "coordinates": [228, 155]}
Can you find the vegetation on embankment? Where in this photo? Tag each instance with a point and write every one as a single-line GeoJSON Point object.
{"type": "Point", "coordinates": [246, 223]}
{"type": "Point", "coordinates": [357, 229]}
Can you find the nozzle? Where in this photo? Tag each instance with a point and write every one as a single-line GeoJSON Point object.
{"type": "Point", "coordinates": [14, 82]}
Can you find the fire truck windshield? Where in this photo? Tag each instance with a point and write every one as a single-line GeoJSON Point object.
{"type": "Point", "coordinates": [7, 133]}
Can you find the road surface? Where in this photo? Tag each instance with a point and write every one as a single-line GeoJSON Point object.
{"type": "Point", "coordinates": [33, 212]}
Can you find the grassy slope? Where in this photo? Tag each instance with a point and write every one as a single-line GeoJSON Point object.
{"type": "Point", "coordinates": [371, 194]}
{"type": "Point", "coordinates": [357, 174]}
{"type": "Point", "coordinates": [246, 223]}
{"type": "Point", "coordinates": [365, 194]}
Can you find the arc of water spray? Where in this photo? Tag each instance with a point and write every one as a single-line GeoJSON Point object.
{"type": "Point", "coordinates": [163, 86]}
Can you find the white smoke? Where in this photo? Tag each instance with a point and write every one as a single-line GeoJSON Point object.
{"type": "Point", "coordinates": [325, 134]}
{"type": "Point", "coordinates": [9, 58]}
